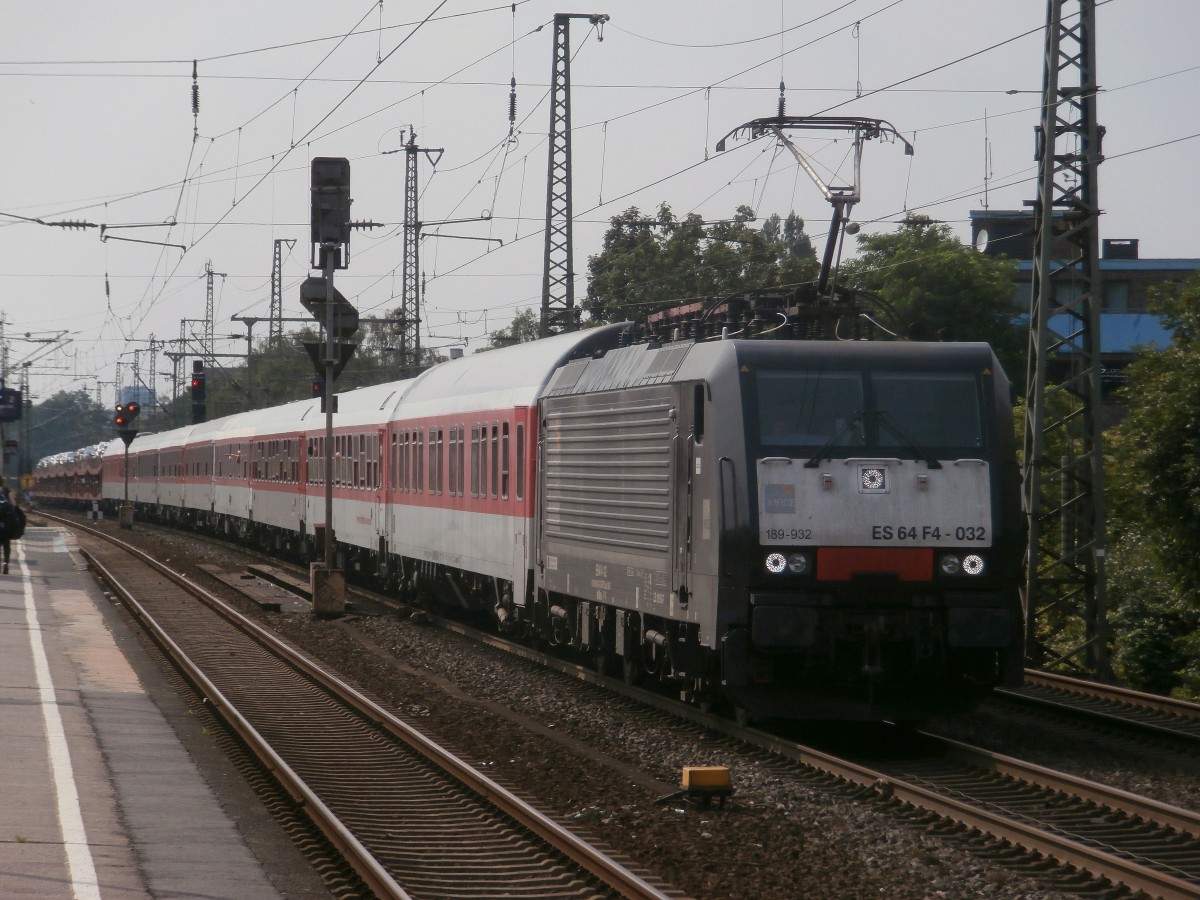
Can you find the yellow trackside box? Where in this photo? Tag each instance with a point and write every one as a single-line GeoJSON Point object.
{"type": "Point", "coordinates": [707, 779]}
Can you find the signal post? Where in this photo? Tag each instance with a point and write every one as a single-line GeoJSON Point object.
{"type": "Point", "coordinates": [330, 192]}
{"type": "Point", "coordinates": [124, 419]}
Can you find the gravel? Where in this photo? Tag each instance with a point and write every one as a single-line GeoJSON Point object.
{"type": "Point", "coordinates": [602, 764]}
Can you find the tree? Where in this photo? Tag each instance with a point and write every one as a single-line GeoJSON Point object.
{"type": "Point", "coordinates": [525, 326]}
{"type": "Point", "coordinates": [648, 264]}
{"type": "Point", "coordinates": [67, 420]}
{"type": "Point", "coordinates": [1154, 504]}
{"type": "Point", "coordinates": [942, 290]}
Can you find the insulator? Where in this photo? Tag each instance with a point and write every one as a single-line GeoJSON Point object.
{"type": "Point", "coordinates": [512, 102]}
{"type": "Point", "coordinates": [782, 100]}
{"type": "Point", "coordinates": [195, 99]}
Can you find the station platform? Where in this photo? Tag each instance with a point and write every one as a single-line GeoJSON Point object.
{"type": "Point", "coordinates": [108, 786]}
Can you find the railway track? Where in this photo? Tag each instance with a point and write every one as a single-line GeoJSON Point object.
{"type": "Point", "coordinates": [411, 819]}
{"type": "Point", "coordinates": [1095, 834]}
{"type": "Point", "coordinates": [1102, 832]}
{"type": "Point", "coordinates": [1128, 839]}
{"type": "Point", "coordinates": [1151, 714]}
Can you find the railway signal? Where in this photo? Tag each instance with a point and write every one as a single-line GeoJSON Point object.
{"type": "Point", "coordinates": [330, 191]}
{"type": "Point", "coordinates": [124, 418]}
{"type": "Point", "coordinates": [199, 393]}
{"type": "Point", "coordinates": [318, 391]}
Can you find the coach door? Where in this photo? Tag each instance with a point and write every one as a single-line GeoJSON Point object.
{"type": "Point", "coordinates": [688, 424]}
{"type": "Point", "coordinates": [380, 454]}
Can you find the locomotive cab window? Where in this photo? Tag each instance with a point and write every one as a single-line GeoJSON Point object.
{"type": "Point", "coordinates": [928, 409]}
{"type": "Point", "coordinates": [810, 409]}
{"type": "Point", "coordinates": [903, 413]}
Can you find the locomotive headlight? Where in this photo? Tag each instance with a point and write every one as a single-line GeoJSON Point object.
{"type": "Point", "coordinates": [951, 564]}
{"type": "Point", "coordinates": [971, 564]}
{"type": "Point", "coordinates": [798, 563]}
{"type": "Point", "coordinates": [776, 563]}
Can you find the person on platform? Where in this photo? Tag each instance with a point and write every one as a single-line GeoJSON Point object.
{"type": "Point", "coordinates": [8, 522]}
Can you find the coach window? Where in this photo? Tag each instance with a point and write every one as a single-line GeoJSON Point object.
{"type": "Point", "coordinates": [520, 461]}
{"type": "Point", "coordinates": [432, 483]}
{"type": "Point", "coordinates": [441, 459]}
{"type": "Point", "coordinates": [394, 463]}
{"type": "Point", "coordinates": [404, 443]}
{"type": "Point", "coordinates": [462, 459]}
{"type": "Point", "coordinates": [454, 455]}
{"type": "Point", "coordinates": [475, 460]}
{"type": "Point", "coordinates": [495, 458]}
{"type": "Point", "coordinates": [434, 455]}
{"type": "Point", "coordinates": [504, 461]}
{"type": "Point", "coordinates": [441, 446]}
{"type": "Point", "coordinates": [483, 460]}
{"type": "Point", "coordinates": [419, 461]}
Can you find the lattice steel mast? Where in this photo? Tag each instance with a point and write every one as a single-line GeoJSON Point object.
{"type": "Point", "coordinates": [275, 325]}
{"type": "Point", "coordinates": [209, 311]}
{"type": "Point", "coordinates": [558, 273]}
{"type": "Point", "coordinates": [410, 277]}
{"type": "Point", "coordinates": [1064, 477]}
{"type": "Point", "coordinates": [410, 303]}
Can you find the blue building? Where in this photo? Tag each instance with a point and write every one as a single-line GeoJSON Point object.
{"type": "Point", "coordinates": [1125, 323]}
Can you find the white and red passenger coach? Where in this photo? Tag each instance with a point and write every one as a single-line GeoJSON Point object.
{"type": "Point", "coordinates": [409, 458]}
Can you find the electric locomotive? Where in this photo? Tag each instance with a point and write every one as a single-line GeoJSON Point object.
{"type": "Point", "coordinates": [808, 529]}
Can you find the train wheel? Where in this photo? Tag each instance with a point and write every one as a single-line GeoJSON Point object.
{"type": "Point", "coordinates": [630, 670]}
{"type": "Point", "coordinates": [742, 716]}
{"type": "Point", "coordinates": [602, 661]}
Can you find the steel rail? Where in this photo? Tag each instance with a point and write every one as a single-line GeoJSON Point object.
{"type": "Point", "coordinates": [597, 863]}
{"type": "Point", "coordinates": [374, 875]}
{"type": "Point", "coordinates": [1170, 705]}
{"type": "Point", "coordinates": [1095, 860]}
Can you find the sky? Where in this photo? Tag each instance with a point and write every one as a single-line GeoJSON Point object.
{"type": "Point", "coordinates": [97, 126]}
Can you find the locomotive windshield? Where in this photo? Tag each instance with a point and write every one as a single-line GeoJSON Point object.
{"type": "Point", "coordinates": [807, 408]}
{"type": "Point", "coordinates": [932, 409]}
{"type": "Point", "coordinates": [901, 412]}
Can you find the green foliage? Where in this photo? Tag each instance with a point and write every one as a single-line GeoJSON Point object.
{"type": "Point", "coordinates": [1158, 443]}
{"type": "Point", "coordinates": [1154, 502]}
{"type": "Point", "coordinates": [942, 290]}
{"type": "Point", "coordinates": [652, 264]}
{"type": "Point", "coordinates": [525, 326]}
{"type": "Point", "coordinates": [282, 374]}
{"type": "Point", "coordinates": [67, 421]}
{"type": "Point", "coordinates": [1155, 624]}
